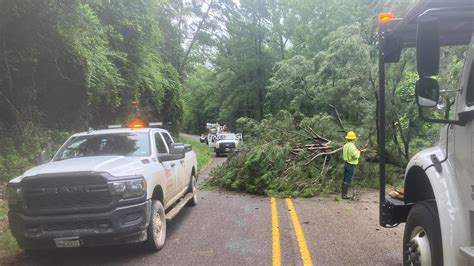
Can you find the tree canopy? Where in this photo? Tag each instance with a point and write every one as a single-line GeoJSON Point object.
{"type": "Point", "coordinates": [73, 65]}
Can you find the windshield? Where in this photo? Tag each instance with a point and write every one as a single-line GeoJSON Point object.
{"type": "Point", "coordinates": [227, 137]}
{"type": "Point", "coordinates": [124, 144]}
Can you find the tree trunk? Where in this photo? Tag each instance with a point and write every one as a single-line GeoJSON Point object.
{"type": "Point", "coordinates": [198, 30]}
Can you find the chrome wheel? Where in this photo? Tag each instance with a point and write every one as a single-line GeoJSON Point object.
{"type": "Point", "coordinates": [418, 248]}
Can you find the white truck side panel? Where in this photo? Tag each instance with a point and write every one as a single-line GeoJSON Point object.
{"type": "Point", "coordinates": [453, 215]}
{"type": "Point", "coordinates": [154, 175]}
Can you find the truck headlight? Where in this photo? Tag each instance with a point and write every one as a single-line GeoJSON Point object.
{"type": "Point", "coordinates": [217, 144]}
{"type": "Point", "coordinates": [14, 195]}
{"type": "Point", "coordinates": [128, 188]}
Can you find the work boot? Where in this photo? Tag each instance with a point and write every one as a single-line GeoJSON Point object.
{"type": "Point", "coordinates": [345, 189]}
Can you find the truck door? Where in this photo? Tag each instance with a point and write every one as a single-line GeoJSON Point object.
{"type": "Point", "coordinates": [463, 135]}
{"type": "Point", "coordinates": [179, 165]}
{"type": "Point", "coordinates": [171, 183]}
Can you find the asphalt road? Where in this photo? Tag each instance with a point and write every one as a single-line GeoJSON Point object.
{"type": "Point", "coordinates": [238, 229]}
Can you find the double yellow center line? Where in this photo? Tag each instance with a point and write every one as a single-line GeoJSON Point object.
{"type": "Point", "coordinates": [275, 235]}
{"type": "Point", "coordinates": [304, 251]}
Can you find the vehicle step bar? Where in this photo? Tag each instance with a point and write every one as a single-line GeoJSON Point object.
{"type": "Point", "coordinates": [172, 213]}
{"type": "Point", "coordinates": [467, 252]}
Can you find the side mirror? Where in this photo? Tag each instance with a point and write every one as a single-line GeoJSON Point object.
{"type": "Point", "coordinates": [427, 46]}
{"type": "Point", "coordinates": [188, 147]}
{"type": "Point", "coordinates": [177, 148]}
{"type": "Point", "coordinates": [427, 92]}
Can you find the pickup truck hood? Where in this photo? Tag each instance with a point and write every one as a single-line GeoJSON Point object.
{"type": "Point", "coordinates": [114, 165]}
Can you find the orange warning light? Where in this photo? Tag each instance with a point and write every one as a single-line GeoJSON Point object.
{"type": "Point", "coordinates": [137, 126]}
{"type": "Point", "coordinates": [385, 17]}
{"type": "Point", "coordinates": [137, 123]}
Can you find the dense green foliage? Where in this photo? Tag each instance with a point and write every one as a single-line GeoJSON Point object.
{"type": "Point", "coordinates": [7, 242]}
{"type": "Point", "coordinates": [68, 66]}
{"type": "Point", "coordinates": [80, 64]}
{"type": "Point", "coordinates": [318, 61]}
{"type": "Point", "coordinates": [18, 150]}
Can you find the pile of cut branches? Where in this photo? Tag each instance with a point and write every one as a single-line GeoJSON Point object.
{"type": "Point", "coordinates": [318, 147]}
{"type": "Point", "coordinates": [290, 155]}
{"type": "Point", "coordinates": [281, 156]}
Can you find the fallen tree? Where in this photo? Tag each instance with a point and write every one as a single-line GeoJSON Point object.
{"type": "Point", "coordinates": [289, 156]}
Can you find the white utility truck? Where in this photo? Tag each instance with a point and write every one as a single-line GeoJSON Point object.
{"type": "Point", "coordinates": [438, 206]}
{"type": "Point", "coordinates": [226, 143]}
{"type": "Point", "coordinates": [104, 187]}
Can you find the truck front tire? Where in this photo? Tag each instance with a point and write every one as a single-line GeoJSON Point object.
{"type": "Point", "coordinates": [156, 232]}
{"type": "Point", "coordinates": [422, 237]}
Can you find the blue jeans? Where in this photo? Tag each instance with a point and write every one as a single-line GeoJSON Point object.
{"type": "Point", "coordinates": [349, 171]}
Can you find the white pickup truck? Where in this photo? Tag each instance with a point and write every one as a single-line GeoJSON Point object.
{"type": "Point", "coordinates": [226, 143]}
{"type": "Point", "coordinates": [104, 187]}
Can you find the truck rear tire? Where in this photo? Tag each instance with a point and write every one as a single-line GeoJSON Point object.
{"type": "Point", "coordinates": [156, 231]}
{"type": "Point", "coordinates": [193, 189]}
{"type": "Point", "coordinates": [422, 237]}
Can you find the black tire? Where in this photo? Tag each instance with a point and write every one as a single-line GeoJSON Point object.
{"type": "Point", "coordinates": [156, 237]}
{"type": "Point", "coordinates": [193, 189]}
{"type": "Point", "coordinates": [218, 154]}
{"type": "Point", "coordinates": [422, 222]}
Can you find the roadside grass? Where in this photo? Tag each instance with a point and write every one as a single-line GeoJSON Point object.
{"type": "Point", "coordinates": [202, 151]}
{"type": "Point", "coordinates": [8, 244]}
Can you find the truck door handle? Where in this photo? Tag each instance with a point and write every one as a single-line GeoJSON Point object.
{"type": "Point", "coordinates": [172, 164]}
{"type": "Point", "coordinates": [182, 161]}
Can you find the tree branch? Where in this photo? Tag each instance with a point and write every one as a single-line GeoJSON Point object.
{"type": "Point", "coordinates": [7, 66]}
{"type": "Point", "coordinates": [59, 69]}
{"type": "Point", "coordinates": [323, 153]}
{"type": "Point", "coordinates": [188, 51]}
{"type": "Point", "coordinates": [399, 77]}
{"type": "Point", "coordinates": [338, 116]}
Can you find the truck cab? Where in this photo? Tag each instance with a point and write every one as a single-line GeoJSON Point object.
{"type": "Point", "coordinates": [104, 187]}
{"type": "Point", "coordinates": [438, 206]}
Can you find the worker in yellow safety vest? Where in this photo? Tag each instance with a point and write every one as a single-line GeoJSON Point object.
{"type": "Point", "coordinates": [350, 155]}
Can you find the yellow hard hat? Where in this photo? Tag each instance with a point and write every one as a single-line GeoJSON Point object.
{"type": "Point", "coordinates": [351, 135]}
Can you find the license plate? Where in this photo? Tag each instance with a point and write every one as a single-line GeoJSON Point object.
{"type": "Point", "coordinates": [67, 242]}
{"type": "Point", "coordinates": [227, 149]}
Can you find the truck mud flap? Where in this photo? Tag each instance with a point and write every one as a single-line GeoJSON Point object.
{"type": "Point", "coordinates": [393, 212]}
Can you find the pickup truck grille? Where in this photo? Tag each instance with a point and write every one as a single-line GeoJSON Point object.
{"type": "Point", "coordinates": [227, 145]}
{"type": "Point", "coordinates": [59, 194]}
{"type": "Point", "coordinates": [81, 225]}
